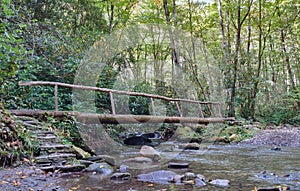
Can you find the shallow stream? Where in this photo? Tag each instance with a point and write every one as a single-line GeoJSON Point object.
{"type": "Point", "coordinates": [245, 166]}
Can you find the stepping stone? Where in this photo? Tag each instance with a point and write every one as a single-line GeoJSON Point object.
{"type": "Point", "coordinates": [189, 146]}
{"type": "Point", "coordinates": [120, 176]}
{"type": "Point", "coordinates": [25, 118]}
{"type": "Point", "coordinates": [48, 168]}
{"type": "Point", "coordinates": [55, 156]}
{"type": "Point", "coordinates": [34, 122]}
{"type": "Point", "coordinates": [71, 168]}
{"type": "Point", "coordinates": [99, 158]}
{"type": "Point", "coordinates": [48, 137]}
{"type": "Point", "coordinates": [56, 146]}
{"type": "Point", "coordinates": [28, 125]}
{"type": "Point", "coordinates": [178, 165]}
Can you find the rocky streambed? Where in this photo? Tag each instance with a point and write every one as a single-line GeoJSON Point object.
{"type": "Point", "coordinates": [268, 161]}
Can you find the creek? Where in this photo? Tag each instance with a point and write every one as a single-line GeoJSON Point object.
{"type": "Point", "coordinates": [245, 166]}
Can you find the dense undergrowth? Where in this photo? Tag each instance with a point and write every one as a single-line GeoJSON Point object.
{"type": "Point", "coordinates": [17, 145]}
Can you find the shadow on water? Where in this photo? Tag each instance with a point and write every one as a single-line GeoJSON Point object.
{"type": "Point", "coordinates": [245, 166]}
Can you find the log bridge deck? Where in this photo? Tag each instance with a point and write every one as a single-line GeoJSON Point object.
{"type": "Point", "coordinates": [115, 118]}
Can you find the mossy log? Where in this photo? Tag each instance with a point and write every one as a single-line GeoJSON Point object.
{"type": "Point", "coordinates": [120, 119]}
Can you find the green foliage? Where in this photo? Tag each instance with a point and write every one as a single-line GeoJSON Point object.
{"type": "Point", "coordinates": [106, 79]}
{"type": "Point", "coordinates": [238, 133]}
{"type": "Point", "coordinates": [140, 105]}
{"type": "Point", "coordinates": [285, 109]}
{"type": "Point", "coordinates": [45, 40]}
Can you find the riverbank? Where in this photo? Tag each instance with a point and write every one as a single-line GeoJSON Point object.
{"type": "Point", "coordinates": [280, 136]}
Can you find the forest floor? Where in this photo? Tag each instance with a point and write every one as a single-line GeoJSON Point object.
{"type": "Point", "coordinates": [32, 179]}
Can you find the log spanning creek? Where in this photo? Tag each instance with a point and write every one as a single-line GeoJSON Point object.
{"type": "Point", "coordinates": [224, 167]}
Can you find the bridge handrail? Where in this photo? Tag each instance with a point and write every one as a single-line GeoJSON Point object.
{"type": "Point", "coordinates": [111, 91]}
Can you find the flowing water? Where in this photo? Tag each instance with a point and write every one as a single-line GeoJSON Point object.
{"type": "Point", "coordinates": [245, 166]}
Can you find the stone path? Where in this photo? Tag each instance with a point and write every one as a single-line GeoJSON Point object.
{"type": "Point", "coordinates": [54, 154]}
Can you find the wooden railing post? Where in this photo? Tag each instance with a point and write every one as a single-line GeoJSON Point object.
{"type": "Point", "coordinates": [56, 97]}
{"type": "Point", "coordinates": [178, 108]}
{"type": "Point", "coordinates": [200, 110]}
{"type": "Point", "coordinates": [153, 106]}
{"type": "Point", "coordinates": [112, 103]}
{"type": "Point", "coordinates": [219, 109]}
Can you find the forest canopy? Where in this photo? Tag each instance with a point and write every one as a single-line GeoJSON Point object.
{"type": "Point", "coordinates": [244, 53]}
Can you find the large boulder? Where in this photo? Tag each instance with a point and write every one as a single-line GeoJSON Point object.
{"type": "Point", "coordinates": [150, 152]}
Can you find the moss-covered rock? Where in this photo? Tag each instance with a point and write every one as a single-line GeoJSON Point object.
{"type": "Point", "coordinates": [186, 134]}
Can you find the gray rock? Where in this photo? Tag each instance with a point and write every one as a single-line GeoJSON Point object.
{"type": "Point", "coordinates": [220, 182]}
{"type": "Point", "coordinates": [101, 168]}
{"type": "Point", "coordinates": [161, 177]}
{"type": "Point", "coordinates": [120, 176]}
{"type": "Point", "coordinates": [189, 176]}
{"type": "Point", "coordinates": [102, 158]}
{"type": "Point", "coordinates": [279, 188]}
{"type": "Point", "coordinates": [199, 182]}
{"type": "Point", "coordinates": [85, 162]}
{"type": "Point", "coordinates": [189, 146]}
{"type": "Point", "coordinates": [123, 168]}
{"type": "Point", "coordinates": [139, 160]}
{"type": "Point", "coordinates": [71, 168]}
{"type": "Point", "coordinates": [150, 152]}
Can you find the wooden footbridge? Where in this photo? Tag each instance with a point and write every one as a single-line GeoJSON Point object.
{"type": "Point", "coordinates": [115, 118]}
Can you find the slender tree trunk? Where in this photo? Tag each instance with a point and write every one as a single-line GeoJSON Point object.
{"type": "Point", "coordinates": [222, 26]}
{"type": "Point", "coordinates": [287, 59]}
{"type": "Point", "coordinates": [235, 61]}
{"type": "Point", "coordinates": [175, 57]}
{"type": "Point", "coordinates": [260, 53]}
{"type": "Point", "coordinates": [111, 11]}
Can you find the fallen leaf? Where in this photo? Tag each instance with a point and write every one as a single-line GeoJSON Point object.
{"type": "Point", "coordinates": [75, 187]}
{"type": "Point", "coordinates": [3, 182]}
{"type": "Point", "coordinates": [24, 176]}
{"type": "Point", "coordinates": [16, 183]}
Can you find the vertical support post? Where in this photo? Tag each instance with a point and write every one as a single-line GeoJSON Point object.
{"type": "Point", "coordinates": [200, 110]}
{"type": "Point", "coordinates": [219, 109]}
{"type": "Point", "coordinates": [178, 108]}
{"type": "Point", "coordinates": [56, 97]}
{"type": "Point", "coordinates": [153, 106]}
{"type": "Point", "coordinates": [112, 103]}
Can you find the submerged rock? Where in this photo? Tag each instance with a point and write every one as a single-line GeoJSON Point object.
{"type": "Point", "coordinates": [220, 182]}
{"type": "Point", "coordinates": [120, 176]}
{"type": "Point", "coordinates": [178, 165]}
{"type": "Point", "coordinates": [278, 188]}
{"type": "Point", "coordinates": [189, 146]}
{"type": "Point", "coordinates": [137, 140]}
{"type": "Point", "coordinates": [161, 177]}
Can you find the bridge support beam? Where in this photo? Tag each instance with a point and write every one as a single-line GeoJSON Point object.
{"type": "Point", "coordinates": [120, 119]}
